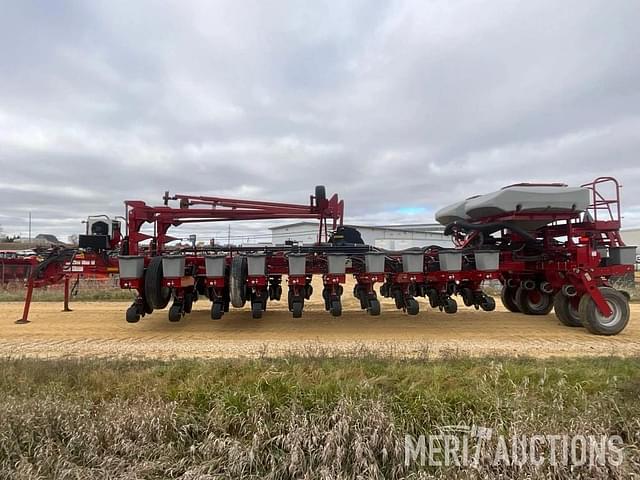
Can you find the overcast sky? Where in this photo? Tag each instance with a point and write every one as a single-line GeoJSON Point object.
{"type": "Point", "coordinates": [400, 107]}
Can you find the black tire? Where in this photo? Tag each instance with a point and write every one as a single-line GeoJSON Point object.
{"type": "Point", "coordinates": [296, 309]}
{"type": "Point", "coordinates": [238, 281]}
{"type": "Point", "coordinates": [188, 302]}
{"type": "Point", "coordinates": [433, 297]}
{"type": "Point", "coordinates": [148, 309]}
{"type": "Point", "coordinates": [356, 291]}
{"type": "Point", "coordinates": [533, 302]}
{"type": "Point", "coordinates": [175, 313]}
{"type": "Point", "coordinates": [450, 306]}
{"type": "Point", "coordinates": [374, 307]}
{"type": "Point", "coordinates": [320, 194]}
{"type": "Point", "coordinates": [157, 295]}
{"type": "Point", "coordinates": [508, 297]}
{"type": "Point", "coordinates": [217, 310]}
{"type": "Point", "coordinates": [566, 312]}
{"type": "Point", "coordinates": [488, 304]}
{"type": "Point", "coordinates": [336, 308]}
{"type": "Point", "coordinates": [256, 310]}
{"type": "Point", "coordinates": [399, 300]}
{"type": "Point", "coordinates": [132, 314]}
{"type": "Point", "coordinates": [467, 296]}
{"type": "Point", "coordinates": [412, 306]}
{"type": "Point", "coordinates": [595, 322]}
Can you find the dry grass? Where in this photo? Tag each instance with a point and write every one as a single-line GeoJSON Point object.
{"type": "Point", "coordinates": [88, 290]}
{"type": "Point", "coordinates": [297, 417]}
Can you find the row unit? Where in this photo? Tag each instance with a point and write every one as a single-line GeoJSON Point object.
{"type": "Point", "coordinates": [173, 266]}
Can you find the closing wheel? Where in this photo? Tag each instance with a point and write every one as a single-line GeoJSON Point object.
{"type": "Point", "coordinates": [296, 309]}
{"type": "Point", "coordinates": [566, 311]}
{"type": "Point", "coordinates": [188, 302]}
{"type": "Point", "coordinates": [597, 323]}
{"type": "Point", "coordinates": [508, 297]}
{"type": "Point", "coordinates": [488, 304]}
{"type": "Point", "coordinates": [217, 310]}
{"type": "Point", "coordinates": [336, 308]}
{"type": "Point", "coordinates": [356, 291]}
{"type": "Point", "coordinates": [374, 307]}
{"type": "Point", "coordinates": [256, 309]}
{"type": "Point", "coordinates": [467, 296]}
{"type": "Point", "coordinates": [157, 295]}
{"type": "Point", "coordinates": [132, 314]}
{"type": "Point", "coordinates": [533, 302]}
{"type": "Point", "coordinates": [148, 309]}
{"type": "Point", "coordinates": [238, 281]}
{"type": "Point", "coordinates": [175, 312]}
{"type": "Point", "coordinates": [450, 306]}
{"type": "Point", "coordinates": [412, 306]}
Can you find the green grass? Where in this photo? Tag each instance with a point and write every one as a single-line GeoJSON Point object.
{"type": "Point", "coordinates": [56, 294]}
{"type": "Point", "coordinates": [297, 417]}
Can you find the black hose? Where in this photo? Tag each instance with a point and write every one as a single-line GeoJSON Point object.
{"type": "Point", "coordinates": [488, 229]}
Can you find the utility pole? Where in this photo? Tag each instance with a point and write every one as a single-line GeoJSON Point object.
{"type": "Point", "coordinates": [229, 235]}
{"type": "Point", "coordinates": [29, 227]}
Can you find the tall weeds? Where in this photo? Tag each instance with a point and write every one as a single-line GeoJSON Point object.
{"type": "Point", "coordinates": [316, 418]}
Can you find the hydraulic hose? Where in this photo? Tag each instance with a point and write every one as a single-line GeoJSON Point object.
{"type": "Point", "coordinates": [488, 229]}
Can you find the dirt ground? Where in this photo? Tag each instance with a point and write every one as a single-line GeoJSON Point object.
{"type": "Point", "coordinates": [99, 329]}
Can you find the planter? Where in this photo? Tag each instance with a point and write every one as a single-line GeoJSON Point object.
{"type": "Point", "coordinates": [131, 266]}
{"type": "Point", "coordinates": [297, 264]}
{"type": "Point", "coordinates": [487, 260]}
{"type": "Point", "coordinates": [374, 262]}
{"type": "Point", "coordinates": [337, 263]}
{"type": "Point", "coordinates": [257, 264]}
{"type": "Point", "coordinates": [173, 266]}
{"type": "Point", "coordinates": [413, 262]}
{"type": "Point", "coordinates": [215, 265]}
{"type": "Point", "coordinates": [450, 260]}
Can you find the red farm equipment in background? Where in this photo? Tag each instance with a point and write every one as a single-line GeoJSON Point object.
{"type": "Point", "coordinates": [548, 244]}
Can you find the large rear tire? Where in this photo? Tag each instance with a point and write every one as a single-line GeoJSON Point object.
{"type": "Point", "coordinates": [156, 295]}
{"type": "Point", "coordinates": [597, 323]}
{"type": "Point", "coordinates": [533, 302]}
{"type": "Point", "coordinates": [566, 312]}
{"type": "Point", "coordinates": [508, 297]}
{"type": "Point", "coordinates": [238, 281]}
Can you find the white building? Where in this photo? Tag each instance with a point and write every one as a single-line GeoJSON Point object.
{"type": "Point", "coordinates": [631, 237]}
{"type": "Point", "coordinates": [389, 237]}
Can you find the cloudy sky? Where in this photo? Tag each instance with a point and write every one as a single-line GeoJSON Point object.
{"type": "Point", "coordinates": [400, 107]}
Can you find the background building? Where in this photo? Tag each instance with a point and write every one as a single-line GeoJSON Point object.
{"type": "Point", "coordinates": [630, 237]}
{"type": "Point", "coordinates": [390, 237]}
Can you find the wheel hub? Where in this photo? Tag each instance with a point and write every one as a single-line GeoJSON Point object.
{"type": "Point", "coordinates": [611, 319]}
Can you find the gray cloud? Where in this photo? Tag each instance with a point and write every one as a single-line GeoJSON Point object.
{"type": "Point", "coordinates": [390, 104]}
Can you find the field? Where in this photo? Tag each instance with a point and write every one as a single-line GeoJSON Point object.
{"type": "Point", "coordinates": [99, 329]}
{"type": "Point", "coordinates": [86, 395]}
{"type": "Point", "coordinates": [316, 418]}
